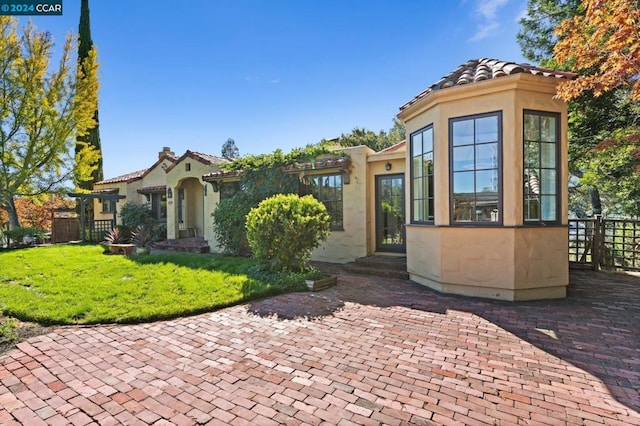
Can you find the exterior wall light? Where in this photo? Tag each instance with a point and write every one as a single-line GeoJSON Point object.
{"type": "Point", "coordinates": [387, 166]}
{"type": "Point", "coordinates": [169, 193]}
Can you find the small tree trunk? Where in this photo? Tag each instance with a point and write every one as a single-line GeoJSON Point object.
{"type": "Point", "coordinates": [596, 202]}
{"type": "Point", "coordinates": [14, 221]}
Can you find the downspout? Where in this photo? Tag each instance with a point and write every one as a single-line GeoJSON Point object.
{"type": "Point", "coordinates": [204, 199]}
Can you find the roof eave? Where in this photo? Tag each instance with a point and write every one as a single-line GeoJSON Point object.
{"type": "Point", "coordinates": [480, 88]}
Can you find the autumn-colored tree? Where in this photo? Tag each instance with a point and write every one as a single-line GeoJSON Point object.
{"type": "Point", "coordinates": [601, 43]}
{"type": "Point", "coordinates": [35, 212]}
{"type": "Point", "coordinates": [603, 46]}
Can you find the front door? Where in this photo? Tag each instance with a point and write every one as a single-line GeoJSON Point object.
{"type": "Point", "coordinates": [390, 235]}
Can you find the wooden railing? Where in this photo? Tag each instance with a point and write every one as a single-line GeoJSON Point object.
{"type": "Point", "coordinates": [612, 244]}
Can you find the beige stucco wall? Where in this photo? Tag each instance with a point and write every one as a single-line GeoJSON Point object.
{"type": "Point", "coordinates": [350, 243]}
{"type": "Point", "coordinates": [511, 262]}
{"type": "Point", "coordinates": [376, 166]}
{"type": "Point", "coordinates": [156, 176]}
{"type": "Point", "coordinates": [514, 263]}
{"type": "Point", "coordinates": [129, 190]}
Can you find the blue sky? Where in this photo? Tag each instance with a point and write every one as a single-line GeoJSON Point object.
{"type": "Point", "coordinates": [271, 73]}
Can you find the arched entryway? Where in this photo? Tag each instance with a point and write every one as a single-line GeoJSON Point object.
{"type": "Point", "coordinates": [189, 205]}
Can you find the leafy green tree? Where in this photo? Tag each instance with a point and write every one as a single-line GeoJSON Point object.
{"type": "Point", "coordinates": [537, 36]}
{"type": "Point", "coordinates": [41, 113]}
{"type": "Point", "coordinates": [602, 45]}
{"type": "Point", "coordinates": [616, 170]}
{"type": "Point", "coordinates": [284, 229]}
{"type": "Point", "coordinates": [397, 133]}
{"type": "Point", "coordinates": [592, 119]}
{"type": "Point", "coordinates": [376, 141]}
{"type": "Point", "coordinates": [229, 150]}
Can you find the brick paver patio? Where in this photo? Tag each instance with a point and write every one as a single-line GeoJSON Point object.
{"type": "Point", "coordinates": [369, 351]}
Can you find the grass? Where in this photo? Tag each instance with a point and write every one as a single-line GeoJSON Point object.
{"type": "Point", "coordinates": [79, 284]}
{"type": "Point", "coordinates": [8, 330]}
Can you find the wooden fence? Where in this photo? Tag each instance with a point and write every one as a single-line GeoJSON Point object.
{"type": "Point", "coordinates": [612, 244]}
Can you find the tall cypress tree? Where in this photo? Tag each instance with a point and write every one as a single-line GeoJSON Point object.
{"type": "Point", "coordinates": [92, 138]}
{"type": "Point", "coordinates": [88, 149]}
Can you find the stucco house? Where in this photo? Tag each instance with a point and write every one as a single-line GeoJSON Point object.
{"type": "Point", "coordinates": [354, 186]}
{"type": "Point", "coordinates": [147, 185]}
{"type": "Point", "coordinates": [172, 186]}
{"type": "Point", "coordinates": [475, 198]}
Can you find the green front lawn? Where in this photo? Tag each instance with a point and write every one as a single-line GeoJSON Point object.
{"type": "Point", "coordinates": [78, 284]}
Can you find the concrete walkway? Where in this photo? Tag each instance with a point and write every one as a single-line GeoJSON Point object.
{"type": "Point", "coordinates": [368, 351]}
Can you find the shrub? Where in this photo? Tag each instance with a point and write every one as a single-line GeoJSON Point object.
{"type": "Point", "coordinates": [261, 176]}
{"type": "Point", "coordinates": [229, 224]}
{"type": "Point", "coordinates": [114, 236]}
{"type": "Point", "coordinates": [134, 215]}
{"type": "Point", "coordinates": [284, 230]}
{"type": "Point", "coordinates": [16, 236]}
{"type": "Point", "coordinates": [140, 216]}
{"type": "Point", "coordinates": [142, 235]}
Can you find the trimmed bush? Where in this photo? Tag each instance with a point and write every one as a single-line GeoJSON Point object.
{"type": "Point", "coordinates": [284, 230]}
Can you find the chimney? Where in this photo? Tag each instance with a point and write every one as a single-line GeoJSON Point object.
{"type": "Point", "coordinates": [166, 151]}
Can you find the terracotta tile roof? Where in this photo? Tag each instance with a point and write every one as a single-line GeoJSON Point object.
{"type": "Point", "coordinates": [124, 178]}
{"type": "Point", "coordinates": [152, 189]}
{"type": "Point", "coordinates": [477, 70]}
{"type": "Point", "coordinates": [206, 158]}
{"type": "Point", "coordinates": [105, 191]}
{"type": "Point", "coordinates": [393, 148]}
{"type": "Point", "coordinates": [319, 163]}
{"type": "Point", "coordinates": [221, 175]}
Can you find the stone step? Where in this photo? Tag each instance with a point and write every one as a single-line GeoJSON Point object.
{"type": "Point", "coordinates": [379, 266]}
{"type": "Point", "coordinates": [187, 245]}
{"type": "Point", "coordinates": [383, 262]}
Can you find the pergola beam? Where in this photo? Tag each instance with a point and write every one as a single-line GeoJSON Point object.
{"type": "Point", "coordinates": [84, 197]}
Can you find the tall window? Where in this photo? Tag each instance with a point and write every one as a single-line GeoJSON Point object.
{"type": "Point", "coordinates": [422, 175]}
{"type": "Point", "coordinates": [159, 206]}
{"type": "Point", "coordinates": [475, 168]}
{"type": "Point", "coordinates": [541, 174]}
{"type": "Point", "coordinates": [328, 190]}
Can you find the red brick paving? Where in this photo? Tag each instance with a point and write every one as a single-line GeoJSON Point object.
{"type": "Point", "coordinates": [368, 351]}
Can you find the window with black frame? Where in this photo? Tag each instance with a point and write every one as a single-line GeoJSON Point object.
{"type": "Point", "coordinates": [328, 190]}
{"type": "Point", "coordinates": [475, 169]}
{"type": "Point", "coordinates": [159, 206]}
{"type": "Point", "coordinates": [422, 198]}
{"type": "Point", "coordinates": [108, 206]}
{"type": "Point", "coordinates": [541, 173]}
